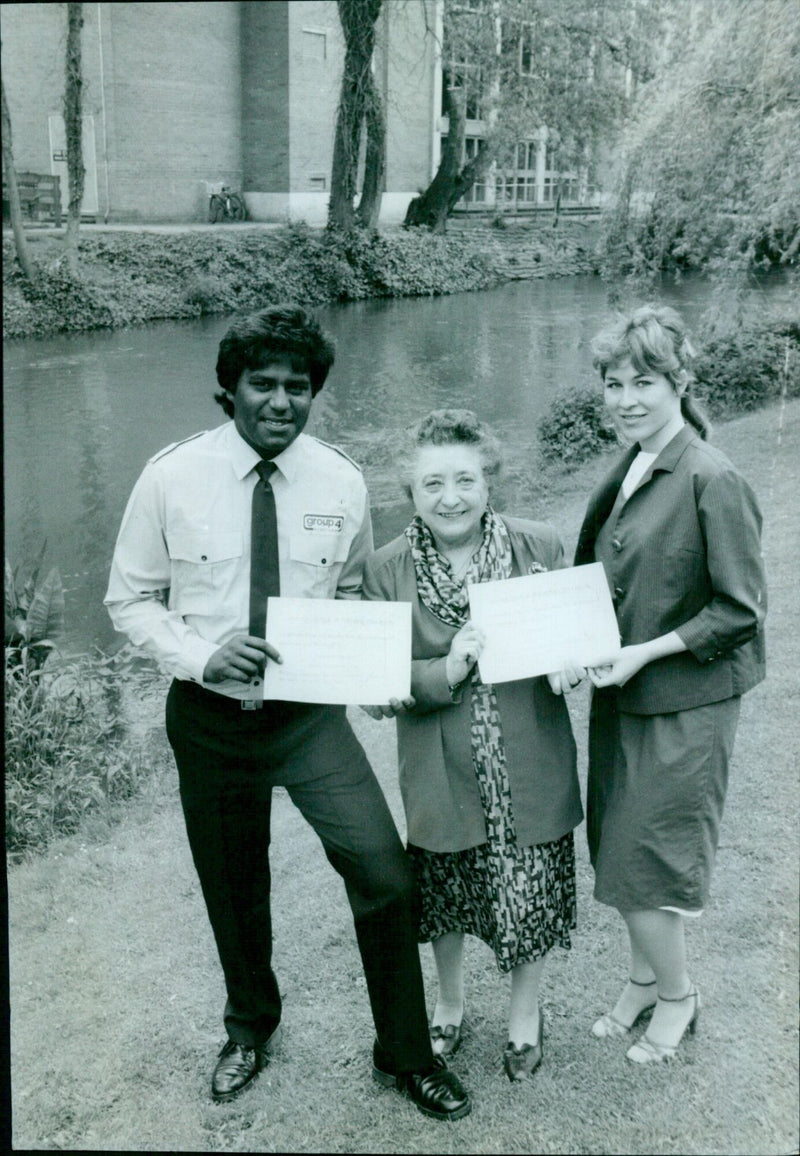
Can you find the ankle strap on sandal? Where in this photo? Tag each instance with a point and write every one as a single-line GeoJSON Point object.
{"type": "Point", "coordinates": [680, 998]}
{"type": "Point", "coordinates": [641, 983]}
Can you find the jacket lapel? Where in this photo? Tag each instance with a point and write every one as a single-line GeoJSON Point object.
{"type": "Point", "coordinates": [602, 500]}
{"type": "Point", "coordinates": [600, 506]}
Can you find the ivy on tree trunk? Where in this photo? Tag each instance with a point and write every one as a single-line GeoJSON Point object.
{"type": "Point", "coordinates": [369, 206]}
{"type": "Point", "coordinates": [73, 122]}
{"type": "Point", "coordinates": [15, 210]}
{"type": "Point", "coordinates": [359, 103]}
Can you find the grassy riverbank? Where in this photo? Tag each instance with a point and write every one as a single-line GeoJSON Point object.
{"type": "Point", "coordinates": [117, 997]}
{"type": "Point", "coordinates": [129, 277]}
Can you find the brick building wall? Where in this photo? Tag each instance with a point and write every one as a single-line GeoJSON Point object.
{"type": "Point", "coordinates": [410, 65]}
{"type": "Point", "coordinates": [316, 55]}
{"type": "Point", "coordinates": [198, 93]}
{"type": "Point", "coordinates": [265, 96]}
{"type": "Point", "coordinates": [173, 84]}
{"type": "Point", "coordinates": [34, 38]}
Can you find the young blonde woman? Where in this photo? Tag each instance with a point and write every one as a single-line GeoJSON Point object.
{"type": "Point", "coordinates": [677, 529]}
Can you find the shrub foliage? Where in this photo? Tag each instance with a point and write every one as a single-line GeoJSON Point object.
{"type": "Point", "coordinates": [746, 368]}
{"type": "Point", "coordinates": [131, 278]}
{"type": "Point", "coordinates": [575, 427]}
{"type": "Point", "coordinates": [711, 165]}
{"type": "Point", "coordinates": [68, 750]}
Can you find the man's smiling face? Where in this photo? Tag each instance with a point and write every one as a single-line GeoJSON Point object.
{"type": "Point", "coordinates": [271, 404]}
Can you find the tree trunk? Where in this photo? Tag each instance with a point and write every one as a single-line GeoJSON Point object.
{"type": "Point", "coordinates": [73, 121]}
{"type": "Point", "coordinates": [433, 207]}
{"type": "Point", "coordinates": [345, 149]}
{"type": "Point", "coordinates": [20, 241]}
{"type": "Point", "coordinates": [369, 206]}
{"type": "Point", "coordinates": [355, 102]}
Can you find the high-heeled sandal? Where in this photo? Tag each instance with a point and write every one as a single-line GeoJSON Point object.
{"type": "Point", "coordinates": [608, 1026]}
{"type": "Point", "coordinates": [646, 1051]}
{"type": "Point", "coordinates": [521, 1062]}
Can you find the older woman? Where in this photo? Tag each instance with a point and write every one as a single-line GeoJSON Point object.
{"type": "Point", "coordinates": [677, 530]}
{"type": "Point", "coordinates": [487, 773]}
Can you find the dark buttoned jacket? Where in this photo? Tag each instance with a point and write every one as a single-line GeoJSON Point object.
{"type": "Point", "coordinates": [683, 554]}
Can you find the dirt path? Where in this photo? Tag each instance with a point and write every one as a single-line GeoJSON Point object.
{"type": "Point", "coordinates": [116, 994]}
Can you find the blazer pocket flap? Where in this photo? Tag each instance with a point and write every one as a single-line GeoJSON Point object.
{"type": "Point", "coordinates": [203, 548]}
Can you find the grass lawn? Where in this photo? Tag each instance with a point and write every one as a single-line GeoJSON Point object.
{"type": "Point", "coordinates": [117, 995]}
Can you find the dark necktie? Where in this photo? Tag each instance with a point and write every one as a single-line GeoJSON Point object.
{"type": "Point", "coordinates": [264, 572]}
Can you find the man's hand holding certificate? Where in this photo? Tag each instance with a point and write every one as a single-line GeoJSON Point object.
{"type": "Point", "coordinates": [337, 651]}
{"type": "Point", "coordinates": [543, 623]}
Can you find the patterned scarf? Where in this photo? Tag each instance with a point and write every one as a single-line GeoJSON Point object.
{"type": "Point", "coordinates": [447, 598]}
{"type": "Point", "coordinates": [444, 595]}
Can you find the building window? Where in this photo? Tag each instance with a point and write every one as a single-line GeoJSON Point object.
{"type": "Point", "coordinates": [315, 45]}
{"type": "Point", "coordinates": [526, 57]}
{"type": "Point", "coordinates": [318, 182]}
{"type": "Point", "coordinates": [518, 185]}
{"type": "Point", "coordinates": [470, 78]}
{"type": "Point", "coordinates": [557, 182]}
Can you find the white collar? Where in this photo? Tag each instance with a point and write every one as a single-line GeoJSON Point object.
{"type": "Point", "coordinates": [244, 458]}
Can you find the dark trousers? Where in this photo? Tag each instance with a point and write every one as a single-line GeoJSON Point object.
{"type": "Point", "coordinates": [228, 762]}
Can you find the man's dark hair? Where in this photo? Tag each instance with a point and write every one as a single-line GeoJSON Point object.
{"type": "Point", "coordinates": [278, 332]}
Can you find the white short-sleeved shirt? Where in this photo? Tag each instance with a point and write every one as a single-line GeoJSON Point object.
{"type": "Point", "coordinates": [180, 578]}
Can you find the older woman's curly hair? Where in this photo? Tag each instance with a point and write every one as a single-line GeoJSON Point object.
{"type": "Point", "coordinates": [280, 331]}
{"type": "Point", "coordinates": [654, 339]}
{"type": "Point", "coordinates": [448, 427]}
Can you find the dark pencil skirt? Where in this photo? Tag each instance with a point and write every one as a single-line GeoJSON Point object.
{"type": "Point", "coordinates": [654, 802]}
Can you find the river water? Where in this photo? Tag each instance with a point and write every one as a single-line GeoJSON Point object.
{"type": "Point", "coordinates": [83, 413]}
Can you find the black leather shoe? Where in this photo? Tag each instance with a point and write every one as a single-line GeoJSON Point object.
{"type": "Point", "coordinates": [522, 1062]}
{"type": "Point", "coordinates": [237, 1066]}
{"type": "Point", "coordinates": [436, 1092]}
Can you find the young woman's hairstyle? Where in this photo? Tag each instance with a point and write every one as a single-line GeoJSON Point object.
{"type": "Point", "coordinates": [448, 427]}
{"type": "Point", "coordinates": [278, 332]}
{"type": "Point", "coordinates": [654, 338]}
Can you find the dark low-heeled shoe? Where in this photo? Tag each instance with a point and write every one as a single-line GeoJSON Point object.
{"type": "Point", "coordinates": [522, 1062]}
{"type": "Point", "coordinates": [437, 1092]}
{"type": "Point", "coordinates": [451, 1034]}
{"type": "Point", "coordinates": [237, 1067]}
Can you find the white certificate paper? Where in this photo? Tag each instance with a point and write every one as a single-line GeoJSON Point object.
{"type": "Point", "coordinates": [536, 624]}
{"type": "Point", "coordinates": [337, 651]}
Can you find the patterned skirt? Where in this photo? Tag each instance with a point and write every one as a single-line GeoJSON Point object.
{"type": "Point", "coordinates": [518, 900]}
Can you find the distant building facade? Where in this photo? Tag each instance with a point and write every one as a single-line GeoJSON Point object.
{"type": "Point", "coordinates": [179, 98]}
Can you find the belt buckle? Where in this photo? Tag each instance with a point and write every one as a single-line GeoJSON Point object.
{"type": "Point", "coordinates": [251, 704]}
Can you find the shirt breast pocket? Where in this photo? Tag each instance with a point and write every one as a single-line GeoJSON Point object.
{"type": "Point", "coordinates": [203, 564]}
{"type": "Point", "coordinates": [317, 559]}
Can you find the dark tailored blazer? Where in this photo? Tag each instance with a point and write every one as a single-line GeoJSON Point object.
{"type": "Point", "coordinates": [437, 780]}
{"type": "Point", "coordinates": [684, 555]}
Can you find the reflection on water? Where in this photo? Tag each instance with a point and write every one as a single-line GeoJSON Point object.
{"type": "Point", "coordinates": [83, 413]}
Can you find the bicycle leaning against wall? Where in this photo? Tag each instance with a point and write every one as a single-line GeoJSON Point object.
{"type": "Point", "coordinates": [226, 205]}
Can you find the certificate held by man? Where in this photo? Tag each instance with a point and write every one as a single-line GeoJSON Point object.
{"type": "Point", "coordinates": [540, 623]}
{"type": "Point", "coordinates": [338, 651]}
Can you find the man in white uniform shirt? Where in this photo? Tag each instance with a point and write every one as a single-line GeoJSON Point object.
{"type": "Point", "coordinates": [180, 587]}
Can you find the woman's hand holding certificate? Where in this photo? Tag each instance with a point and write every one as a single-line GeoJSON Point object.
{"type": "Point", "coordinates": [559, 621]}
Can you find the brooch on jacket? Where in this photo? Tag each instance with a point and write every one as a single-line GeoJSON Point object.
{"type": "Point", "coordinates": [537, 568]}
